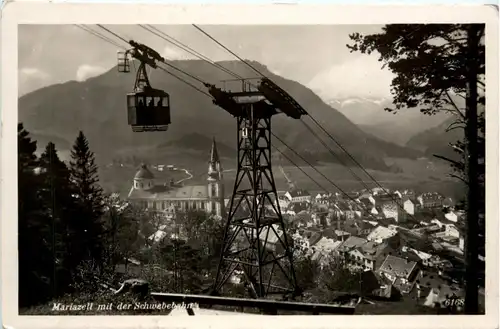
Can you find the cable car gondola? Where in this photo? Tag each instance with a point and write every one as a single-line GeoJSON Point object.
{"type": "Point", "coordinates": [148, 108]}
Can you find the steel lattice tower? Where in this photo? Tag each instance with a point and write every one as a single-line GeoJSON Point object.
{"type": "Point", "coordinates": [255, 244]}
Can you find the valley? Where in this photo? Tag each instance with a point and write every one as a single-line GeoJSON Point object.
{"type": "Point", "coordinates": [377, 139]}
{"type": "Point", "coordinates": [421, 175]}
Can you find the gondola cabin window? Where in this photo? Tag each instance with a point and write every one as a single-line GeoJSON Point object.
{"type": "Point", "coordinates": [148, 109]}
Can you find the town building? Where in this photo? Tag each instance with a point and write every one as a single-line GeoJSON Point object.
{"type": "Point", "coordinates": [283, 202]}
{"type": "Point", "coordinates": [147, 193]}
{"type": "Point", "coordinates": [381, 233]}
{"type": "Point", "coordinates": [394, 207]}
{"type": "Point", "coordinates": [271, 237]}
{"type": "Point", "coordinates": [294, 208]}
{"type": "Point", "coordinates": [400, 272]}
{"type": "Point", "coordinates": [408, 205]}
{"type": "Point", "coordinates": [367, 200]}
{"type": "Point", "coordinates": [430, 200]}
{"type": "Point", "coordinates": [323, 198]}
{"type": "Point", "coordinates": [374, 254]}
{"type": "Point", "coordinates": [298, 195]}
{"type": "Point", "coordinates": [349, 251]}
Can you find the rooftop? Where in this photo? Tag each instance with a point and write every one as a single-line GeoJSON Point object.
{"type": "Point", "coordinates": [384, 198]}
{"type": "Point", "coordinates": [397, 266]}
{"type": "Point", "coordinates": [144, 173]}
{"type": "Point", "coordinates": [315, 238]}
{"type": "Point", "coordinates": [381, 233]}
{"type": "Point", "coordinates": [366, 202]}
{"type": "Point", "coordinates": [160, 192]}
{"type": "Point", "coordinates": [372, 249]}
{"type": "Point", "coordinates": [352, 242]}
{"type": "Point", "coordinates": [431, 196]}
{"type": "Point", "coordinates": [298, 193]}
{"type": "Point", "coordinates": [273, 234]}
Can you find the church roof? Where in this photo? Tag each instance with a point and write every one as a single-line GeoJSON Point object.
{"type": "Point", "coordinates": [144, 173]}
{"type": "Point", "coordinates": [159, 192]}
{"type": "Point", "coordinates": [214, 154]}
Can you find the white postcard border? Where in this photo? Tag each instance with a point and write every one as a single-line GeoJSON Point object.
{"type": "Point", "coordinates": [15, 13]}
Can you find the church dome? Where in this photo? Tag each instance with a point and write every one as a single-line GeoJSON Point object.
{"type": "Point", "coordinates": [144, 173]}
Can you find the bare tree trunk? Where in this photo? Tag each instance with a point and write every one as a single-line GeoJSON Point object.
{"type": "Point", "coordinates": [471, 134]}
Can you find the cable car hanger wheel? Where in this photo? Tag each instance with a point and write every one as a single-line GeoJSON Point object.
{"type": "Point", "coordinates": [148, 108]}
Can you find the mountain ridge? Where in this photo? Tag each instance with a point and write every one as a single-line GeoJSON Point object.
{"type": "Point", "coordinates": [397, 127]}
{"type": "Point", "coordinates": [97, 107]}
{"type": "Point", "coordinates": [436, 141]}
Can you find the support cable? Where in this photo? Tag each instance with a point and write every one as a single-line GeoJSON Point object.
{"type": "Point", "coordinates": [295, 165]}
{"type": "Point", "coordinates": [187, 49]}
{"type": "Point", "coordinates": [313, 119]}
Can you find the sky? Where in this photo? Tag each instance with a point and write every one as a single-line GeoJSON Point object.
{"type": "Point", "coordinates": [314, 55]}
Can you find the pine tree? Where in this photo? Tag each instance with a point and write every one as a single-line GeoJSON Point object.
{"type": "Point", "coordinates": [435, 65]}
{"type": "Point", "coordinates": [35, 256]}
{"type": "Point", "coordinates": [89, 195]}
{"type": "Point", "coordinates": [85, 177]}
{"type": "Point", "coordinates": [60, 213]}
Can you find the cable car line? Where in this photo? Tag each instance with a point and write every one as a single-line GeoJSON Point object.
{"type": "Point", "coordinates": [144, 93]}
{"type": "Point", "coordinates": [302, 170]}
{"type": "Point", "coordinates": [312, 118]}
{"type": "Point", "coordinates": [113, 33]}
{"type": "Point", "coordinates": [315, 169]}
{"type": "Point", "coordinates": [334, 154]}
{"type": "Point", "coordinates": [310, 165]}
{"type": "Point", "coordinates": [229, 50]}
{"type": "Point", "coordinates": [188, 49]}
{"type": "Point", "coordinates": [193, 52]}
{"type": "Point", "coordinates": [361, 167]}
{"type": "Point", "coordinates": [310, 129]}
{"type": "Point", "coordinates": [99, 35]}
{"type": "Point", "coordinates": [186, 82]}
{"type": "Point", "coordinates": [305, 124]}
{"type": "Point", "coordinates": [291, 149]}
{"type": "Point", "coordinates": [336, 186]}
{"type": "Point", "coordinates": [162, 60]}
{"type": "Point", "coordinates": [184, 72]}
{"type": "Point", "coordinates": [148, 109]}
{"type": "Point", "coordinates": [319, 172]}
{"type": "Point", "coordinates": [355, 162]}
{"type": "Point", "coordinates": [161, 68]}
{"type": "Point", "coordinates": [348, 154]}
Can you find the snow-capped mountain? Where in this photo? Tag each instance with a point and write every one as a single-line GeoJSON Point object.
{"type": "Point", "coordinates": [369, 115]}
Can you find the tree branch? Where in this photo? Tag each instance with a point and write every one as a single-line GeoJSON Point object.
{"type": "Point", "coordinates": [450, 127]}
{"type": "Point", "coordinates": [459, 178]}
{"type": "Point", "coordinates": [457, 110]}
{"type": "Point", "coordinates": [456, 163]}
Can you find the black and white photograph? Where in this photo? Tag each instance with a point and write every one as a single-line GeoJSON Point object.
{"type": "Point", "coordinates": [253, 169]}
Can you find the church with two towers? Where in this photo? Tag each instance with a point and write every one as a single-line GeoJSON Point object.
{"type": "Point", "coordinates": [148, 193]}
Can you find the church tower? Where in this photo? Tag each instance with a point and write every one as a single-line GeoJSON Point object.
{"type": "Point", "coordinates": [215, 183]}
